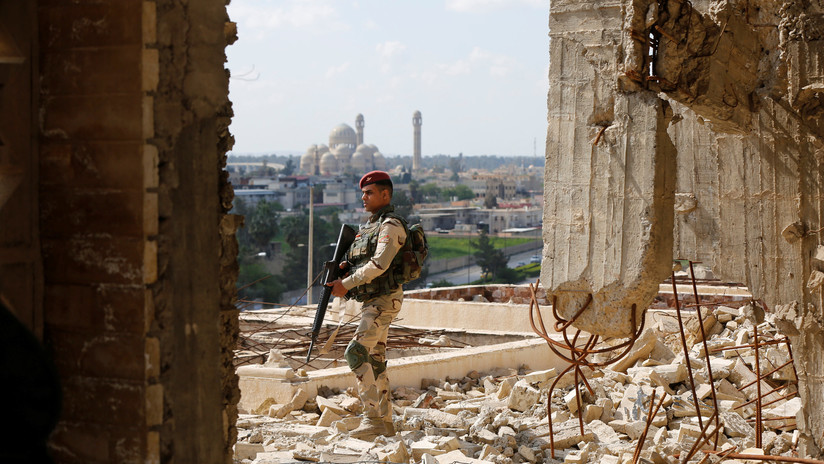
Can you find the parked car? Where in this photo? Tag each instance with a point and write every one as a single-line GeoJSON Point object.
{"type": "Point", "coordinates": [535, 259]}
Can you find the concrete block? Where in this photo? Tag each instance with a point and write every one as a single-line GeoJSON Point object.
{"type": "Point", "coordinates": [571, 401]}
{"type": "Point", "coordinates": [325, 403]}
{"type": "Point", "coordinates": [449, 443]}
{"type": "Point", "coordinates": [436, 417]}
{"type": "Point", "coordinates": [668, 374]}
{"type": "Point", "coordinates": [735, 425]}
{"type": "Point", "coordinates": [540, 376]}
{"type": "Point", "coordinates": [604, 434]}
{"type": "Point", "coordinates": [592, 412]}
{"type": "Point", "coordinates": [568, 434]}
{"type": "Point", "coordinates": [576, 457]}
{"type": "Point", "coordinates": [397, 452]}
{"type": "Point", "coordinates": [279, 410]}
{"type": "Point", "coordinates": [527, 453]}
{"type": "Point", "coordinates": [486, 436]}
{"type": "Point", "coordinates": [347, 424]}
{"type": "Point", "coordinates": [505, 387]}
{"type": "Point", "coordinates": [506, 431]}
{"type": "Point", "coordinates": [352, 405]}
{"type": "Point", "coordinates": [523, 396]}
{"type": "Point", "coordinates": [791, 408]}
{"type": "Point", "coordinates": [247, 450]}
{"type": "Point", "coordinates": [642, 347]}
{"type": "Point", "coordinates": [634, 429]}
{"type": "Point", "coordinates": [327, 417]}
{"type": "Point", "coordinates": [457, 457]}
{"type": "Point", "coordinates": [488, 451]}
{"type": "Point", "coordinates": [420, 447]}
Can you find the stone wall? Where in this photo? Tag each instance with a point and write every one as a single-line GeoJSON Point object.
{"type": "Point", "coordinates": [195, 322]}
{"type": "Point", "coordinates": [119, 123]}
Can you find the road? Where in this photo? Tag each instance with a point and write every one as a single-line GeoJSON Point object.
{"type": "Point", "coordinates": [464, 275]}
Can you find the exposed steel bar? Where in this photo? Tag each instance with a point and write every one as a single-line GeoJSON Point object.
{"type": "Point", "coordinates": [702, 438]}
{"type": "Point", "coordinates": [773, 419]}
{"type": "Point", "coordinates": [766, 457]}
{"type": "Point", "coordinates": [706, 357]}
{"type": "Point", "coordinates": [740, 347]}
{"type": "Point", "coordinates": [790, 352]}
{"type": "Point", "coordinates": [765, 395]}
{"type": "Point", "coordinates": [686, 351]}
{"type": "Point", "coordinates": [758, 425]}
{"type": "Point", "coordinates": [577, 357]}
{"type": "Point", "coordinates": [767, 375]}
{"type": "Point", "coordinates": [650, 417]}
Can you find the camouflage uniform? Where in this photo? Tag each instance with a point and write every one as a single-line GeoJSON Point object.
{"type": "Point", "coordinates": [366, 353]}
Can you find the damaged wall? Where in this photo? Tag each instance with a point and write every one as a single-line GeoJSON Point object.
{"type": "Point", "coordinates": [743, 81]}
{"type": "Point", "coordinates": [119, 122]}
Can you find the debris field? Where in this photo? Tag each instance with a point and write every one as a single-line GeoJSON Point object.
{"type": "Point", "coordinates": [654, 405]}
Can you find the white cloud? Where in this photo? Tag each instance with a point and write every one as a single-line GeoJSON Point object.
{"type": "Point", "coordinates": [479, 59]}
{"type": "Point", "coordinates": [337, 70]}
{"type": "Point", "coordinates": [255, 16]}
{"type": "Point", "coordinates": [476, 6]}
{"type": "Point", "coordinates": [390, 48]}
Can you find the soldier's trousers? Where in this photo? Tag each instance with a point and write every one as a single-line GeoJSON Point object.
{"type": "Point", "coordinates": [372, 381]}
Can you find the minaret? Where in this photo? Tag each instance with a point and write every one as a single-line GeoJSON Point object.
{"type": "Point", "coordinates": [359, 128]}
{"type": "Point", "coordinates": [416, 151]}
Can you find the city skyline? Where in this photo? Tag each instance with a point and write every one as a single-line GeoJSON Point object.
{"type": "Point", "coordinates": [475, 69]}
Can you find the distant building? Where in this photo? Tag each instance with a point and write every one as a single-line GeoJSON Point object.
{"type": "Point", "coordinates": [346, 153]}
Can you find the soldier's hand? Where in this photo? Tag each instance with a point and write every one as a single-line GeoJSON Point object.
{"type": "Point", "coordinates": [337, 288]}
{"type": "Point", "coordinates": [344, 265]}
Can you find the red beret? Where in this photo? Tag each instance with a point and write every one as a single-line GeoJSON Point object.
{"type": "Point", "coordinates": [372, 177]}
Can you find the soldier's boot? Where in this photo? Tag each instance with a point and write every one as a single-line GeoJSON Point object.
{"type": "Point", "coordinates": [370, 428]}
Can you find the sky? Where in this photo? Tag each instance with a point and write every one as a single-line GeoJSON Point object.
{"type": "Point", "coordinates": [475, 69]}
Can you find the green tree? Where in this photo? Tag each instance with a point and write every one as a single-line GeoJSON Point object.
{"type": "Point", "coordinates": [490, 201]}
{"type": "Point", "coordinates": [431, 192]}
{"type": "Point", "coordinates": [263, 223]}
{"type": "Point", "coordinates": [255, 282]}
{"type": "Point", "coordinates": [295, 233]}
{"type": "Point", "coordinates": [415, 191]}
{"type": "Point", "coordinates": [491, 260]}
{"type": "Point", "coordinates": [288, 168]}
{"type": "Point", "coordinates": [403, 204]}
{"type": "Point", "coordinates": [460, 191]}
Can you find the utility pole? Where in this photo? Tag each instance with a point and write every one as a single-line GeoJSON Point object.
{"type": "Point", "coordinates": [309, 279]}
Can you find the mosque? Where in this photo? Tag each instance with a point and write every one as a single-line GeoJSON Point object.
{"type": "Point", "coordinates": [346, 153]}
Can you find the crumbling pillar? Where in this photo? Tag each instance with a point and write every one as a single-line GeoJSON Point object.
{"type": "Point", "coordinates": [608, 185]}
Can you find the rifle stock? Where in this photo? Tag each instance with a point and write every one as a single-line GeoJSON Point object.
{"type": "Point", "coordinates": [332, 272]}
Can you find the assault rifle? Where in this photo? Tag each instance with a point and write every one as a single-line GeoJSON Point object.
{"type": "Point", "coordinates": [332, 272]}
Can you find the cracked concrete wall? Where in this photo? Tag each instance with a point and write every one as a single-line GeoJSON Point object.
{"type": "Point", "coordinates": [744, 82]}
{"type": "Point", "coordinates": [608, 197]}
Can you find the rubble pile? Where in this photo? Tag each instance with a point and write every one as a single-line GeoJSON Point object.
{"type": "Point", "coordinates": [501, 416]}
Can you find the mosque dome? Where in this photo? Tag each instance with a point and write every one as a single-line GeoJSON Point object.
{"type": "Point", "coordinates": [342, 154]}
{"type": "Point", "coordinates": [322, 149]}
{"type": "Point", "coordinates": [360, 162]}
{"type": "Point", "coordinates": [378, 161]}
{"type": "Point", "coordinates": [343, 136]}
{"type": "Point", "coordinates": [329, 164]}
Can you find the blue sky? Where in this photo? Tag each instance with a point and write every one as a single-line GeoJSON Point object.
{"type": "Point", "coordinates": [476, 69]}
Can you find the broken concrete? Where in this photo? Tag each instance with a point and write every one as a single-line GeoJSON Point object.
{"type": "Point", "coordinates": [502, 418]}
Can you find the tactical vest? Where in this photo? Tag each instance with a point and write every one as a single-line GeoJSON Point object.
{"type": "Point", "coordinates": [362, 251]}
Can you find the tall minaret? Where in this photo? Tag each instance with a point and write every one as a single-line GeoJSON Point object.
{"type": "Point", "coordinates": [359, 128]}
{"type": "Point", "coordinates": [416, 152]}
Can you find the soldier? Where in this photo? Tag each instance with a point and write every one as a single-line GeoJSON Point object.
{"type": "Point", "coordinates": [373, 259]}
